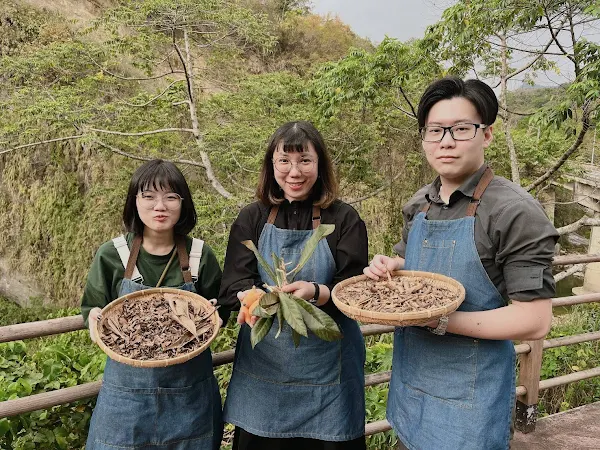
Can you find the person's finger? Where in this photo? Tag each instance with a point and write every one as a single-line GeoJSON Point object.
{"type": "Point", "coordinates": [369, 272]}
{"type": "Point", "coordinates": [241, 318]}
{"type": "Point", "coordinates": [292, 286]}
{"type": "Point", "coordinates": [241, 295]}
{"type": "Point", "coordinates": [253, 320]}
{"type": "Point", "coordinates": [213, 301]}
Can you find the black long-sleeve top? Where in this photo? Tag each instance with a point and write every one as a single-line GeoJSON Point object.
{"type": "Point", "coordinates": [348, 244]}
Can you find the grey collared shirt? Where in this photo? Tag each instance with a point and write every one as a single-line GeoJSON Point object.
{"type": "Point", "coordinates": [514, 238]}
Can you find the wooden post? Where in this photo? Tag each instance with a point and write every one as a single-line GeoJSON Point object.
{"type": "Point", "coordinates": [530, 365]}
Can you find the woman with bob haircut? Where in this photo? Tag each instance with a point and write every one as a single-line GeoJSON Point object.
{"type": "Point", "coordinates": [176, 407]}
{"type": "Point", "coordinates": [312, 396]}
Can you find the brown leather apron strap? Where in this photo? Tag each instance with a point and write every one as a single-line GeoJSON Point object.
{"type": "Point", "coordinates": [425, 207]}
{"type": "Point", "coordinates": [133, 255]}
{"type": "Point", "coordinates": [484, 182]}
{"type": "Point", "coordinates": [273, 214]}
{"type": "Point", "coordinates": [316, 217]}
{"type": "Point", "coordinates": [184, 260]}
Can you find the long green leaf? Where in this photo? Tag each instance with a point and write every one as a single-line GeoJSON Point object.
{"type": "Point", "coordinates": [279, 320]}
{"type": "Point", "coordinates": [263, 263]}
{"type": "Point", "coordinates": [260, 330]}
{"type": "Point", "coordinates": [310, 247]}
{"type": "Point", "coordinates": [269, 299]}
{"type": "Point", "coordinates": [318, 321]}
{"type": "Point", "coordinates": [296, 338]}
{"type": "Point", "coordinates": [292, 314]}
{"type": "Point", "coordinates": [259, 311]}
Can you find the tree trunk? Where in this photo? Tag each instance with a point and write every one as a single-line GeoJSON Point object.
{"type": "Point", "coordinates": [514, 162]}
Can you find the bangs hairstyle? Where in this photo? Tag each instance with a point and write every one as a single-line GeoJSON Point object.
{"type": "Point", "coordinates": [294, 137]}
{"type": "Point", "coordinates": [477, 92]}
{"type": "Point", "coordinates": [158, 174]}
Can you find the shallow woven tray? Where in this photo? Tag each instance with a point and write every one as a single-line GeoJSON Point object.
{"type": "Point", "coordinates": [406, 318]}
{"type": "Point", "coordinates": [109, 309]}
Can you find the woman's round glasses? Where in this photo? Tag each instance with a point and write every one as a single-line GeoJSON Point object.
{"type": "Point", "coordinates": [149, 200]}
{"type": "Point", "coordinates": [284, 165]}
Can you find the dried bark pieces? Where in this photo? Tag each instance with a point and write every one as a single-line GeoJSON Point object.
{"type": "Point", "coordinates": [396, 295]}
{"type": "Point", "coordinates": [159, 326]}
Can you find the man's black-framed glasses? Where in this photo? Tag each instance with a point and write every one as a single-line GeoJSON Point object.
{"type": "Point", "coordinates": [459, 132]}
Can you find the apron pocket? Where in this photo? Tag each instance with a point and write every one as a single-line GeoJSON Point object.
{"type": "Point", "coordinates": [314, 362]}
{"type": "Point", "coordinates": [436, 256]}
{"type": "Point", "coordinates": [133, 417]}
{"type": "Point", "coordinates": [444, 367]}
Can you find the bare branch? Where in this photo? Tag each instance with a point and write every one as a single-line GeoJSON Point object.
{"type": "Point", "coordinates": [240, 166]}
{"type": "Point", "coordinates": [153, 98]}
{"type": "Point", "coordinates": [143, 133]}
{"type": "Point", "coordinates": [399, 108]}
{"type": "Point", "coordinates": [145, 158]}
{"type": "Point", "coordinates": [555, 38]}
{"type": "Point", "coordinates": [412, 108]}
{"type": "Point", "coordinates": [585, 127]}
{"type": "Point", "coordinates": [585, 221]}
{"type": "Point", "coordinates": [33, 144]}
{"type": "Point", "coordinates": [241, 186]}
{"type": "Point", "coordinates": [120, 77]}
{"type": "Point", "coordinates": [570, 271]}
{"type": "Point", "coordinates": [375, 192]}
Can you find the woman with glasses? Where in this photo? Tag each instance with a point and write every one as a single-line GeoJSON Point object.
{"type": "Point", "coordinates": [176, 407]}
{"type": "Point", "coordinates": [309, 397]}
{"type": "Point", "coordinates": [453, 380]}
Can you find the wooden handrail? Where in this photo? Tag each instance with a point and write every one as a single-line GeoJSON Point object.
{"type": "Point", "coordinates": [74, 323]}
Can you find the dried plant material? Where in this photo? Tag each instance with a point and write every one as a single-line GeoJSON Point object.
{"type": "Point", "coordinates": [397, 295]}
{"type": "Point", "coordinates": [160, 326]}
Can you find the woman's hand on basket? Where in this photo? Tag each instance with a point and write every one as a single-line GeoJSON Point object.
{"type": "Point", "coordinates": [93, 319]}
{"type": "Point", "coordinates": [380, 265]}
{"type": "Point", "coordinates": [214, 303]}
{"type": "Point", "coordinates": [241, 318]}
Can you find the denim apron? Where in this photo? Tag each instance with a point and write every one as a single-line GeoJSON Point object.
{"type": "Point", "coordinates": [313, 391]}
{"type": "Point", "coordinates": [452, 392]}
{"type": "Point", "coordinates": [169, 408]}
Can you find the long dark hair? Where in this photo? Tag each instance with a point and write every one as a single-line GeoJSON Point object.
{"type": "Point", "coordinates": [294, 137]}
{"type": "Point", "coordinates": [159, 174]}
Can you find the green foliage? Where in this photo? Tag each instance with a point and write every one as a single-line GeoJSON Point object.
{"type": "Point", "coordinates": [300, 315]}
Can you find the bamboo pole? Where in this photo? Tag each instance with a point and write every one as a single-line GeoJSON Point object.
{"type": "Point", "coordinates": [41, 328]}
{"type": "Point", "coordinates": [570, 340]}
{"type": "Point", "coordinates": [570, 378]}
{"type": "Point", "coordinates": [377, 427]}
{"type": "Point", "coordinates": [577, 259]}
{"type": "Point", "coordinates": [576, 300]}
{"type": "Point", "coordinates": [378, 378]}
{"type": "Point", "coordinates": [45, 400]}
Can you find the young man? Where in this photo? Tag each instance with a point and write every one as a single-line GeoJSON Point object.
{"type": "Point", "coordinates": [453, 381]}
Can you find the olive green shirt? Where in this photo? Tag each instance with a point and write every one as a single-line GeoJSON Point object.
{"type": "Point", "coordinates": [107, 272]}
{"type": "Point", "coordinates": [514, 238]}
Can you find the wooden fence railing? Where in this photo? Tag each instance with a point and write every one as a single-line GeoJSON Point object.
{"type": "Point", "coordinates": [527, 390]}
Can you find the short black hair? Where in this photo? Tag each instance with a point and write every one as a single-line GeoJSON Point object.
{"type": "Point", "coordinates": [477, 92]}
{"type": "Point", "coordinates": [294, 137]}
{"type": "Point", "coordinates": [159, 174]}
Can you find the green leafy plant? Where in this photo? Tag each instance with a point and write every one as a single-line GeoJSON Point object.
{"type": "Point", "coordinates": [300, 315]}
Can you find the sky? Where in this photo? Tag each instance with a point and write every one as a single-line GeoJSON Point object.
{"type": "Point", "coordinates": [374, 19]}
{"type": "Point", "coordinates": [406, 19]}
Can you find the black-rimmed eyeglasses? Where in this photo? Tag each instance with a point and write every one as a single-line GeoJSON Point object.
{"type": "Point", "coordinates": [459, 132]}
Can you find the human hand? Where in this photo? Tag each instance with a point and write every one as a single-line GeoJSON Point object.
{"type": "Point", "coordinates": [93, 319]}
{"type": "Point", "coordinates": [213, 302]}
{"type": "Point", "coordinates": [380, 266]}
{"type": "Point", "coordinates": [301, 289]}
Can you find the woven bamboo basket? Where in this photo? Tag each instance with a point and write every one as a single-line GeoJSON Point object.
{"type": "Point", "coordinates": [111, 308]}
{"type": "Point", "coordinates": [403, 319]}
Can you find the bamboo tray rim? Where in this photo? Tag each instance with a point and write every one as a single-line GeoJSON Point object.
{"type": "Point", "coordinates": [402, 316]}
{"type": "Point", "coordinates": [214, 318]}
